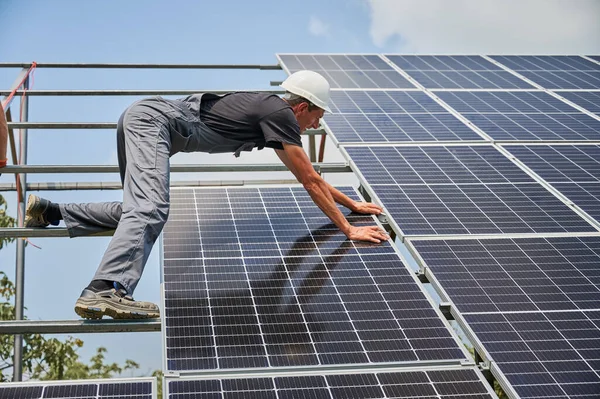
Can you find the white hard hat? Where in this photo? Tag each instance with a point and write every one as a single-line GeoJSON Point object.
{"type": "Point", "coordinates": [309, 85]}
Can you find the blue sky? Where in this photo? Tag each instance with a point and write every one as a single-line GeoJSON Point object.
{"type": "Point", "coordinates": [217, 32]}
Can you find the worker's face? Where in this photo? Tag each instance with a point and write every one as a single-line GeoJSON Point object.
{"type": "Point", "coordinates": [308, 119]}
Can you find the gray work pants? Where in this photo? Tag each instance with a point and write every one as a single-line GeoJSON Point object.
{"type": "Point", "coordinates": [143, 145]}
{"type": "Point", "coordinates": [148, 133]}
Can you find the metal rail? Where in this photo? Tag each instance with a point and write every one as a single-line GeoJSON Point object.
{"type": "Point", "coordinates": [77, 326]}
{"type": "Point", "coordinates": [139, 66]}
{"type": "Point", "coordinates": [60, 186]}
{"type": "Point", "coordinates": [127, 92]}
{"type": "Point", "coordinates": [319, 167]}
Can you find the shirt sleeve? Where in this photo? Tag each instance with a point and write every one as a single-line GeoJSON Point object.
{"type": "Point", "coordinates": [280, 127]}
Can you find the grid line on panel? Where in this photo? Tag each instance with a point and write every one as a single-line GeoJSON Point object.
{"type": "Point", "coordinates": [447, 383]}
{"type": "Point", "coordinates": [457, 72]}
{"type": "Point", "coordinates": [555, 72]}
{"type": "Point", "coordinates": [261, 332]}
{"type": "Point", "coordinates": [516, 275]}
{"type": "Point", "coordinates": [554, 354]}
{"type": "Point", "coordinates": [460, 190]}
{"type": "Point", "coordinates": [589, 100]}
{"type": "Point", "coordinates": [348, 71]}
{"type": "Point", "coordinates": [523, 115]}
{"type": "Point", "coordinates": [289, 277]}
{"type": "Point", "coordinates": [392, 116]}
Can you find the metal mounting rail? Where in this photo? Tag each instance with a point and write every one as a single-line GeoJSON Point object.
{"type": "Point", "coordinates": [101, 125]}
{"type": "Point", "coordinates": [127, 92]}
{"type": "Point", "coordinates": [77, 326]}
{"type": "Point", "coordinates": [319, 167]}
{"type": "Point", "coordinates": [25, 232]}
{"type": "Point", "coordinates": [138, 66]}
{"type": "Point", "coordinates": [59, 186]}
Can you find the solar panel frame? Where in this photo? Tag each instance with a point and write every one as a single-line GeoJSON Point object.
{"type": "Point", "coordinates": [440, 382]}
{"type": "Point", "coordinates": [394, 116]}
{"type": "Point", "coordinates": [396, 254]}
{"type": "Point", "coordinates": [452, 72]}
{"type": "Point", "coordinates": [555, 72]}
{"type": "Point", "coordinates": [529, 189]}
{"type": "Point", "coordinates": [516, 116]}
{"type": "Point", "coordinates": [368, 71]}
{"type": "Point", "coordinates": [44, 386]}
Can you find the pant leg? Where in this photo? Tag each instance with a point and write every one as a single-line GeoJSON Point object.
{"type": "Point", "coordinates": [93, 218]}
{"type": "Point", "coordinates": [145, 206]}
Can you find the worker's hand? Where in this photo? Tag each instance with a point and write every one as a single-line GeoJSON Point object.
{"type": "Point", "coordinates": [367, 233]}
{"type": "Point", "coordinates": [367, 208]}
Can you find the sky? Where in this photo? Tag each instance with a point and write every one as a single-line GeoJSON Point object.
{"type": "Point", "coordinates": [217, 32]}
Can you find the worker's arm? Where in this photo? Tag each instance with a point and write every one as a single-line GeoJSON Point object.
{"type": "Point", "coordinates": [338, 196]}
{"type": "Point", "coordinates": [3, 137]}
{"type": "Point", "coordinates": [298, 163]}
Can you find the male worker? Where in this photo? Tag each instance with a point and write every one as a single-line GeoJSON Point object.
{"type": "Point", "coordinates": [3, 138]}
{"type": "Point", "coordinates": [153, 129]}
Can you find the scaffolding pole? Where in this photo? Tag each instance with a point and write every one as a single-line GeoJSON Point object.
{"type": "Point", "coordinates": [20, 256]}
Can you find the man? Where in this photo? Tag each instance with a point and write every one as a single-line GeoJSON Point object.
{"type": "Point", "coordinates": [153, 129]}
{"type": "Point", "coordinates": [3, 138]}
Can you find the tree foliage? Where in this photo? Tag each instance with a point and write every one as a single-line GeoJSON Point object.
{"type": "Point", "coordinates": [5, 221]}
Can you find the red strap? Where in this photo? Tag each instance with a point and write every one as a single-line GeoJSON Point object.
{"type": "Point", "coordinates": [10, 96]}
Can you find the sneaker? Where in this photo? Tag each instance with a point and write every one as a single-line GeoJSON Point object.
{"type": "Point", "coordinates": [113, 303]}
{"type": "Point", "coordinates": [35, 212]}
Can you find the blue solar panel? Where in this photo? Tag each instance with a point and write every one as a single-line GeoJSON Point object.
{"type": "Point", "coordinates": [138, 388]}
{"type": "Point", "coordinates": [348, 71]}
{"type": "Point", "coordinates": [460, 190]}
{"type": "Point", "coordinates": [261, 278]}
{"type": "Point", "coordinates": [523, 116]}
{"type": "Point", "coordinates": [508, 275]}
{"type": "Point", "coordinates": [457, 72]}
{"type": "Point", "coordinates": [555, 72]}
{"type": "Point", "coordinates": [392, 116]}
{"type": "Point", "coordinates": [544, 354]}
{"type": "Point", "coordinates": [447, 383]}
{"type": "Point", "coordinates": [590, 100]}
{"type": "Point", "coordinates": [572, 170]}
{"type": "Point", "coordinates": [561, 163]}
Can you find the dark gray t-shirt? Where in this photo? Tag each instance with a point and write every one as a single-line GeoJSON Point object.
{"type": "Point", "coordinates": [262, 118]}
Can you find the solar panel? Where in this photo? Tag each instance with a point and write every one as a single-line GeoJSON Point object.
{"type": "Point", "coordinates": [523, 115]}
{"type": "Point", "coordinates": [457, 72]}
{"type": "Point", "coordinates": [590, 100]}
{"type": "Point", "coordinates": [259, 277]}
{"type": "Point", "coordinates": [572, 170]}
{"type": "Point", "coordinates": [348, 71]}
{"type": "Point", "coordinates": [544, 354]}
{"type": "Point", "coordinates": [441, 383]}
{"type": "Point", "coordinates": [392, 116]}
{"type": "Point", "coordinates": [555, 72]}
{"type": "Point", "coordinates": [519, 274]}
{"type": "Point", "coordinates": [133, 388]}
{"type": "Point", "coordinates": [459, 190]}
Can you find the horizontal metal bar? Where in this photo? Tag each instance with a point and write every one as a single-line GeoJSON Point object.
{"type": "Point", "coordinates": [59, 186]}
{"type": "Point", "coordinates": [101, 125]}
{"type": "Point", "coordinates": [23, 232]}
{"type": "Point", "coordinates": [139, 66]}
{"type": "Point", "coordinates": [126, 92]}
{"type": "Point", "coordinates": [77, 326]}
{"type": "Point", "coordinates": [319, 167]}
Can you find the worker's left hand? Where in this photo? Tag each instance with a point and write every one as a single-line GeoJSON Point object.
{"type": "Point", "coordinates": [367, 208]}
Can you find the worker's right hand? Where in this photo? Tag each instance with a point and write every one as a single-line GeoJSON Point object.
{"type": "Point", "coordinates": [367, 233]}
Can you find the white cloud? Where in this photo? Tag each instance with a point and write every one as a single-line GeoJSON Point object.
{"type": "Point", "coordinates": [317, 27]}
{"type": "Point", "coordinates": [487, 26]}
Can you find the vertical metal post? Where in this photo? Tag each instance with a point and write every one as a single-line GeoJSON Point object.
{"type": "Point", "coordinates": [20, 264]}
{"type": "Point", "coordinates": [312, 145]}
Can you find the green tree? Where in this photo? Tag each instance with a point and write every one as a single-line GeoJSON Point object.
{"type": "Point", "coordinates": [5, 221]}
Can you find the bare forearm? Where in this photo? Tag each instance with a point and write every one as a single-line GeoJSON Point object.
{"type": "Point", "coordinates": [3, 137]}
{"type": "Point", "coordinates": [322, 196]}
{"type": "Point", "coordinates": [340, 197]}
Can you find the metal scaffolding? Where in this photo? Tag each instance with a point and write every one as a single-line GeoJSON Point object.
{"type": "Point", "coordinates": [20, 168]}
